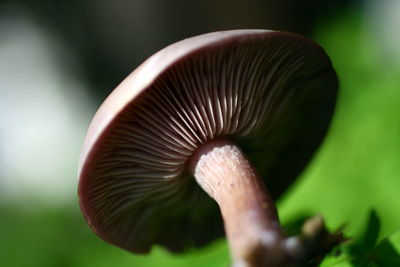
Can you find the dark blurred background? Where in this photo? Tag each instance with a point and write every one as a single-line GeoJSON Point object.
{"type": "Point", "coordinates": [60, 59]}
{"type": "Point", "coordinates": [111, 38]}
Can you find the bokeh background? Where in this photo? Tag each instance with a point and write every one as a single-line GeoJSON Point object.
{"type": "Point", "coordinates": [60, 59]}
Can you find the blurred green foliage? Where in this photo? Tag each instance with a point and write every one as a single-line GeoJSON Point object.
{"type": "Point", "coordinates": [354, 179]}
{"type": "Point", "coordinates": [357, 171]}
{"type": "Point", "coordinates": [60, 237]}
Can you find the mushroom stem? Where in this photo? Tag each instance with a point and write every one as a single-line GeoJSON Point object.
{"type": "Point", "coordinates": [250, 217]}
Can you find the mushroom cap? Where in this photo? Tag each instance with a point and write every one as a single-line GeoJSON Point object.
{"type": "Point", "coordinates": [271, 92]}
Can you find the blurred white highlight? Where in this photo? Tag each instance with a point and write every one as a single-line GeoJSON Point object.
{"type": "Point", "coordinates": [44, 113]}
{"type": "Point", "coordinates": [383, 23]}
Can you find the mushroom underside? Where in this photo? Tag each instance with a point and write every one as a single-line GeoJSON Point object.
{"type": "Point", "coordinates": [273, 97]}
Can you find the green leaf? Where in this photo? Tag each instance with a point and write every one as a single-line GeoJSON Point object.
{"type": "Point", "coordinates": [387, 253]}
{"type": "Point", "coordinates": [336, 259]}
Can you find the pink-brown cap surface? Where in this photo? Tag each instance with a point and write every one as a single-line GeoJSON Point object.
{"type": "Point", "coordinates": [273, 93]}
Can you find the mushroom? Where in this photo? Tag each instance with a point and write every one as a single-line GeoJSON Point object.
{"type": "Point", "coordinates": [184, 113]}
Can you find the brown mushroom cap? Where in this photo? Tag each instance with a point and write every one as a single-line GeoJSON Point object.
{"type": "Point", "coordinates": [271, 92]}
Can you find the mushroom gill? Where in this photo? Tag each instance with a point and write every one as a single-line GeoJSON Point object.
{"type": "Point", "coordinates": [237, 90]}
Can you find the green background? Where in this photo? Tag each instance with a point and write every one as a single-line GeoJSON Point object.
{"type": "Point", "coordinates": [354, 180]}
